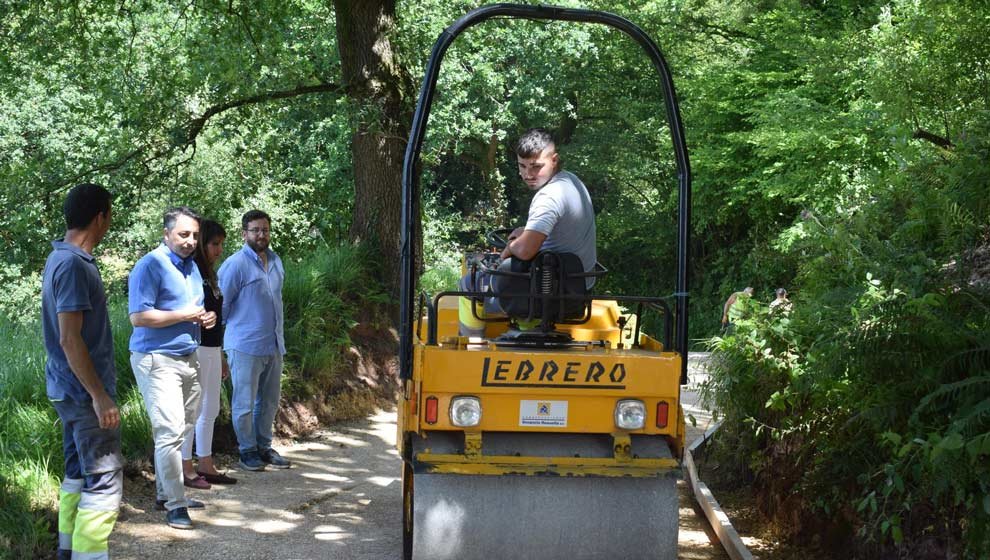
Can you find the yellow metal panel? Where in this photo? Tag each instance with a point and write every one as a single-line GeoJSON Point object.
{"type": "Point", "coordinates": [589, 382]}
{"type": "Point", "coordinates": [602, 325]}
{"type": "Point", "coordinates": [585, 414]}
{"type": "Point", "coordinates": [598, 371]}
{"type": "Point", "coordinates": [566, 466]}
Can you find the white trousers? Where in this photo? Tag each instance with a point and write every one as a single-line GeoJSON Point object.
{"type": "Point", "coordinates": [170, 387]}
{"type": "Point", "coordinates": [210, 368]}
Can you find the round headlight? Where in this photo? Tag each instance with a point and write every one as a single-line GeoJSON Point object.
{"type": "Point", "coordinates": [630, 414]}
{"type": "Point", "coordinates": [465, 411]}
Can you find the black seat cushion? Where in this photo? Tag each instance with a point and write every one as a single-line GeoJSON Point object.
{"type": "Point", "coordinates": [548, 273]}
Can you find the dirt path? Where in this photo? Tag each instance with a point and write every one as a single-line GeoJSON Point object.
{"type": "Point", "coordinates": [341, 499]}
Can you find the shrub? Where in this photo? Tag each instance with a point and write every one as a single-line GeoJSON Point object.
{"type": "Point", "coordinates": [324, 297]}
{"type": "Point", "coordinates": [870, 406]}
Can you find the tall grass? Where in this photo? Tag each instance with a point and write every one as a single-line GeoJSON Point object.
{"type": "Point", "coordinates": [22, 372]}
{"type": "Point", "coordinates": [324, 297]}
{"type": "Point", "coordinates": [30, 446]}
{"type": "Point", "coordinates": [135, 427]}
{"type": "Point", "coordinates": [27, 493]}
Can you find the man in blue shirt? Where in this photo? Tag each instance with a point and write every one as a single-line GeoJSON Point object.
{"type": "Point", "coordinates": [165, 302]}
{"type": "Point", "coordinates": [251, 284]}
{"type": "Point", "coordinates": [80, 377]}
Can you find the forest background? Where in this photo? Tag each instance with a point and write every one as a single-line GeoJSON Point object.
{"type": "Point", "coordinates": [839, 149]}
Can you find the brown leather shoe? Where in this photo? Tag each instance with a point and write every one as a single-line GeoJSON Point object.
{"type": "Point", "coordinates": [198, 483]}
{"type": "Point", "coordinates": [219, 478]}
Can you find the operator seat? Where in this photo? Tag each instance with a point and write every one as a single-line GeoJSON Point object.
{"type": "Point", "coordinates": [549, 288]}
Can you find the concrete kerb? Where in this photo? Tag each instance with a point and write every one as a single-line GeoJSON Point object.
{"type": "Point", "coordinates": [719, 521]}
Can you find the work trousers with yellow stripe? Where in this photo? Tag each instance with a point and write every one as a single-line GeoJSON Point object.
{"type": "Point", "coordinates": [89, 498]}
{"type": "Point", "coordinates": [472, 323]}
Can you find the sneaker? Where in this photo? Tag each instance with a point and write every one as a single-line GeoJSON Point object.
{"type": "Point", "coordinates": [250, 461]}
{"type": "Point", "coordinates": [191, 504]}
{"type": "Point", "coordinates": [178, 518]}
{"type": "Point", "coordinates": [271, 457]}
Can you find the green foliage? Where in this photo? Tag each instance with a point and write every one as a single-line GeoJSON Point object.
{"type": "Point", "coordinates": [870, 402]}
{"type": "Point", "coordinates": [22, 292]}
{"type": "Point", "coordinates": [26, 518]}
{"type": "Point", "coordinates": [873, 396]}
{"type": "Point", "coordinates": [324, 297]}
{"type": "Point", "coordinates": [113, 95]}
{"type": "Point", "coordinates": [135, 427]}
{"type": "Point", "coordinates": [30, 445]}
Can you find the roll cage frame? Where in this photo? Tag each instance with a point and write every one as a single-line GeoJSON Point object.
{"type": "Point", "coordinates": [410, 182]}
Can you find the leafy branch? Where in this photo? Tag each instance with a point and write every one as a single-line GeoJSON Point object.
{"type": "Point", "coordinates": [193, 128]}
{"type": "Point", "coordinates": [939, 141]}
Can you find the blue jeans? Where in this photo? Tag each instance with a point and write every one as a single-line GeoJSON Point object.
{"type": "Point", "coordinates": [254, 402]}
{"type": "Point", "coordinates": [468, 324]}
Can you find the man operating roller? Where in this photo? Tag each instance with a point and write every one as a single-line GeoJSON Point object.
{"type": "Point", "coordinates": [561, 219]}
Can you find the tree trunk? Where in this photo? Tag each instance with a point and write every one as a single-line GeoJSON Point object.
{"type": "Point", "coordinates": [378, 85]}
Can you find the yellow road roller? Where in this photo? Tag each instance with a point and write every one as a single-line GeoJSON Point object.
{"type": "Point", "coordinates": [562, 441]}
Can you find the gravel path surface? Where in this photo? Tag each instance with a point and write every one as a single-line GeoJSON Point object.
{"type": "Point", "coordinates": [342, 499]}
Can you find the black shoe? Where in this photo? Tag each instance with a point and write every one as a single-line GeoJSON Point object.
{"type": "Point", "coordinates": [193, 504]}
{"type": "Point", "coordinates": [271, 457]}
{"type": "Point", "coordinates": [178, 518]}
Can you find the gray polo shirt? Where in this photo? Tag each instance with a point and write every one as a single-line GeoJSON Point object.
{"type": "Point", "coordinates": [562, 211]}
{"type": "Point", "coordinates": [71, 282]}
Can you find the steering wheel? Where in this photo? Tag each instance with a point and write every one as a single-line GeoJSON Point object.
{"type": "Point", "coordinates": [497, 237]}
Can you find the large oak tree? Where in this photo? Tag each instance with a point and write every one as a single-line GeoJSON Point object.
{"type": "Point", "coordinates": [375, 80]}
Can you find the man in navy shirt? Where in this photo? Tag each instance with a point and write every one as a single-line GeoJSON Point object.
{"type": "Point", "coordinates": [80, 377]}
{"type": "Point", "coordinates": [165, 302]}
{"type": "Point", "coordinates": [251, 284]}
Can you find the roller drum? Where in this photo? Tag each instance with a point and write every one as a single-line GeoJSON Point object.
{"type": "Point", "coordinates": [543, 517]}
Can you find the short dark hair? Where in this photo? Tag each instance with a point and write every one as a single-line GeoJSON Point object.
{"type": "Point", "coordinates": [83, 203]}
{"type": "Point", "coordinates": [172, 214]}
{"type": "Point", "coordinates": [252, 215]}
{"type": "Point", "coordinates": [534, 141]}
{"type": "Point", "coordinates": [781, 292]}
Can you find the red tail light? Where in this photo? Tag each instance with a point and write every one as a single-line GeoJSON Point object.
{"type": "Point", "coordinates": [431, 410]}
{"type": "Point", "coordinates": [662, 410]}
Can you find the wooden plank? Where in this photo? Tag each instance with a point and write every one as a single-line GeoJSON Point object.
{"type": "Point", "coordinates": [719, 521]}
{"type": "Point", "coordinates": [717, 518]}
{"type": "Point", "coordinates": [704, 437]}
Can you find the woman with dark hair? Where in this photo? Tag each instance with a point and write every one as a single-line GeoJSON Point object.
{"type": "Point", "coordinates": [212, 364]}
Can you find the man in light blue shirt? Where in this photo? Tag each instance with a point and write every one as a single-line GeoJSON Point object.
{"type": "Point", "coordinates": [165, 302]}
{"type": "Point", "coordinates": [251, 284]}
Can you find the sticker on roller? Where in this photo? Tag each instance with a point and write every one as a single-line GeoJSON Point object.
{"type": "Point", "coordinates": [543, 414]}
